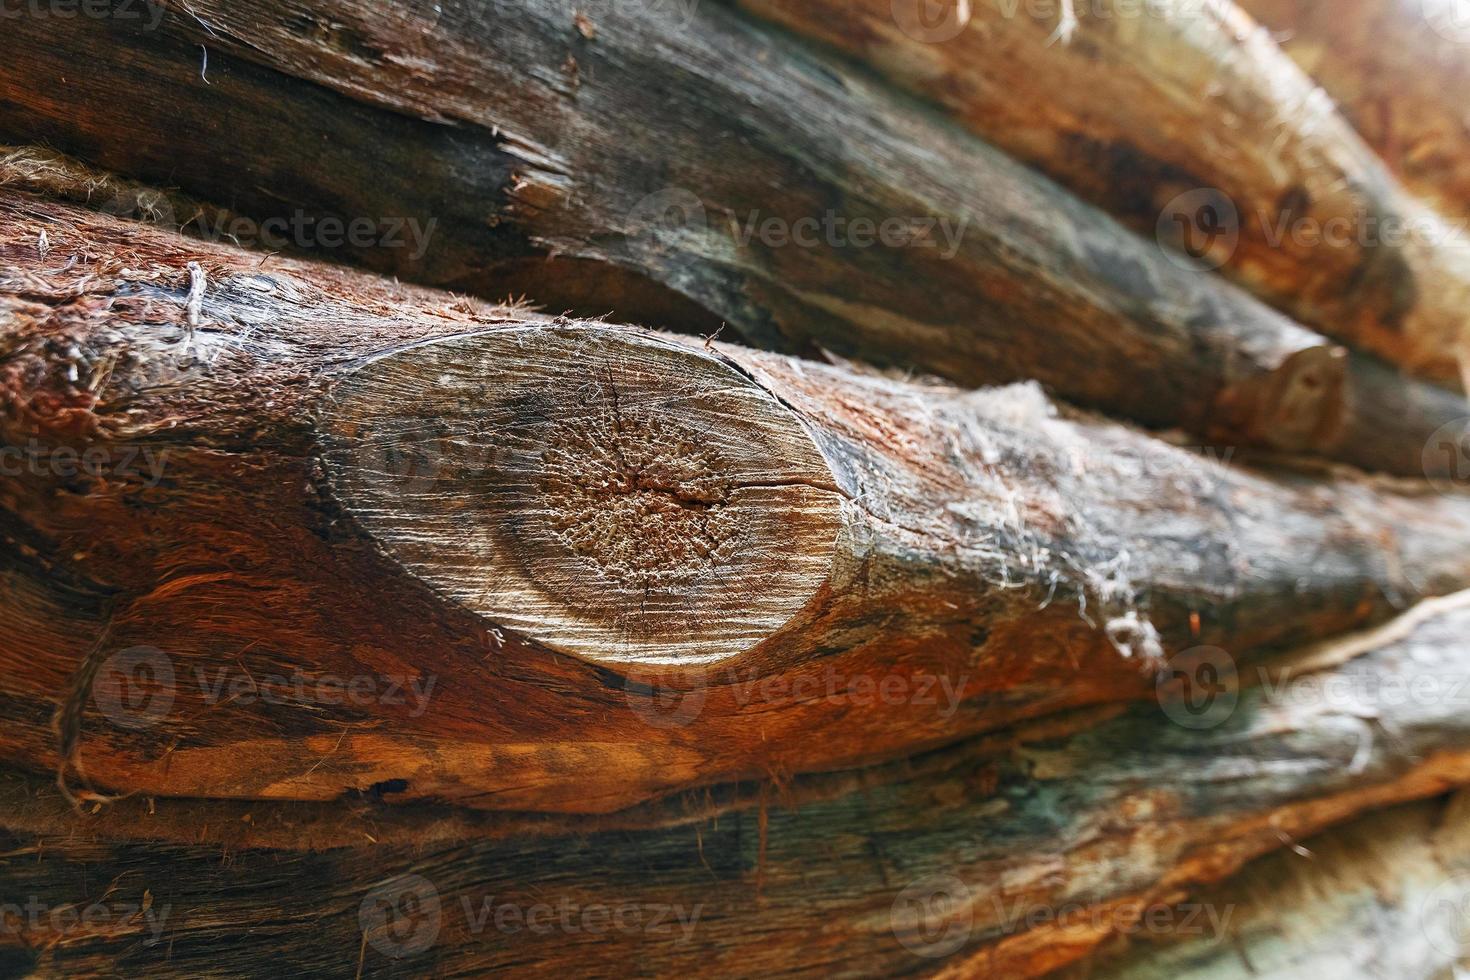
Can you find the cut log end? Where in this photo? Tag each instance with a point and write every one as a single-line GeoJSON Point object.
{"type": "Point", "coordinates": [621, 519]}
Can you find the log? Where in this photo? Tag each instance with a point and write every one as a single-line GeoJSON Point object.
{"type": "Point", "coordinates": [1382, 896]}
{"type": "Point", "coordinates": [1397, 73]}
{"type": "Point", "coordinates": [255, 479]}
{"type": "Point", "coordinates": [1003, 857]}
{"type": "Point", "coordinates": [1183, 118]}
{"type": "Point", "coordinates": [552, 198]}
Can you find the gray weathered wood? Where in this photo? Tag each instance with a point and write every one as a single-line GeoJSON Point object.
{"type": "Point", "coordinates": [1184, 119]}
{"type": "Point", "coordinates": [1385, 896]}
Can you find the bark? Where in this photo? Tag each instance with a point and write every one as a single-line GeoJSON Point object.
{"type": "Point", "coordinates": [1000, 859]}
{"type": "Point", "coordinates": [1143, 103]}
{"type": "Point", "coordinates": [228, 469]}
{"type": "Point", "coordinates": [1398, 73]}
{"type": "Point", "coordinates": [545, 132]}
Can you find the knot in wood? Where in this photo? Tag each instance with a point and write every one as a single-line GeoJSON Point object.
{"type": "Point", "coordinates": [638, 500]}
{"type": "Point", "coordinates": [610, 493]}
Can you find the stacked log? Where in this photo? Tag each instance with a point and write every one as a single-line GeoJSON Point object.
{"type": "Point", "coordinates": [738, 489]}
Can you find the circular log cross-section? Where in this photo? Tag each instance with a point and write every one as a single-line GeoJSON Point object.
{"type": "Point", "coordinates": [606, 493]}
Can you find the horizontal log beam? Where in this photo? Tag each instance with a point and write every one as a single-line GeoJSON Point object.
{"type": "Point", "coordinates": [251, 467]}
{"type": "Point", "coordinates": [967, 861]}
{"type": "Point", "coordinates": [1397, 72]}
{"type": "Point", "coordinates": [1185, 120]}
{"type": "Point", "coordinates": [1383, 894]}
{"type": "Point", "coordinates": [1013, 278]}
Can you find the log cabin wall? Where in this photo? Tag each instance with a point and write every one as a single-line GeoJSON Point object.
{"type": "Point", "coordinates": [643, 488]}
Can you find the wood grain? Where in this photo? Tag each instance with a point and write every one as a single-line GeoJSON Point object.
{"type": "Point", "coordinates": [1398, 72]}
{"type": "Point", "coordinates": [998, 558]}
{"type": "Point", "coordinates": [745, 219]}
{"type": "Point", "coordinates": [620, 499]}
{"type": "Point", "coordinates": [1010, 858]}
{"type": "Point", "coordinates": [1186, 121]}
{"type": "Point", "coordinates": [1383, 896]}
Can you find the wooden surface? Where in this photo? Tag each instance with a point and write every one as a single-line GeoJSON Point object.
{"type": "Point", "coordinates": [1186, 121]}
{"type": "Point", "coordinates": [1005, 276]}
{"type": "Point", "coordinates": [1000, 557]}
{"type": "Point", "coordinates": [359, 628]}
{"type": "Point", "coordinates": [1384, 896]}
{"type": "Point", "coordinates": [1009, 857]}
{"type": "Point", "coordinates": [605, 494]}
{"type": "Point", "coordinates": [1399, 73]}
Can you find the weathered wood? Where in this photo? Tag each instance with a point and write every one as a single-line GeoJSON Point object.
{"type": "Point", "coordinates": [357, 628]}
{"type": "Point", "coordinates": [1184, 119]}
{"type": "Point", "coordinates": [1385, 896]}
{"type": "Point", "coordinates": [955, 560]}
{"type": "Point", "coordinates": [756, 141]}
{"type": "Point", "coordinates": [1399, 73]}
{"type": "Point", "coordinates": [1001, 858]}
{"type": "Point", "coordinates": [616, 497]}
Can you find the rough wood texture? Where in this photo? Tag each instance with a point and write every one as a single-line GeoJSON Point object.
{"type": "Point", "coordinates": [1005, 859]}
{"type": "Point", "coordinates": [1150, 101]}
{"type": "Point", "coordinates": [1399, 73]}
{"type": "Point", "coordinates": [993, 560]}
{"type": "Point", "coordinates": [1384, 896]}
{"type": "Point", "coordinates": [545, 135]}
{"type": "Point", "coordinates": [617, 497]}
